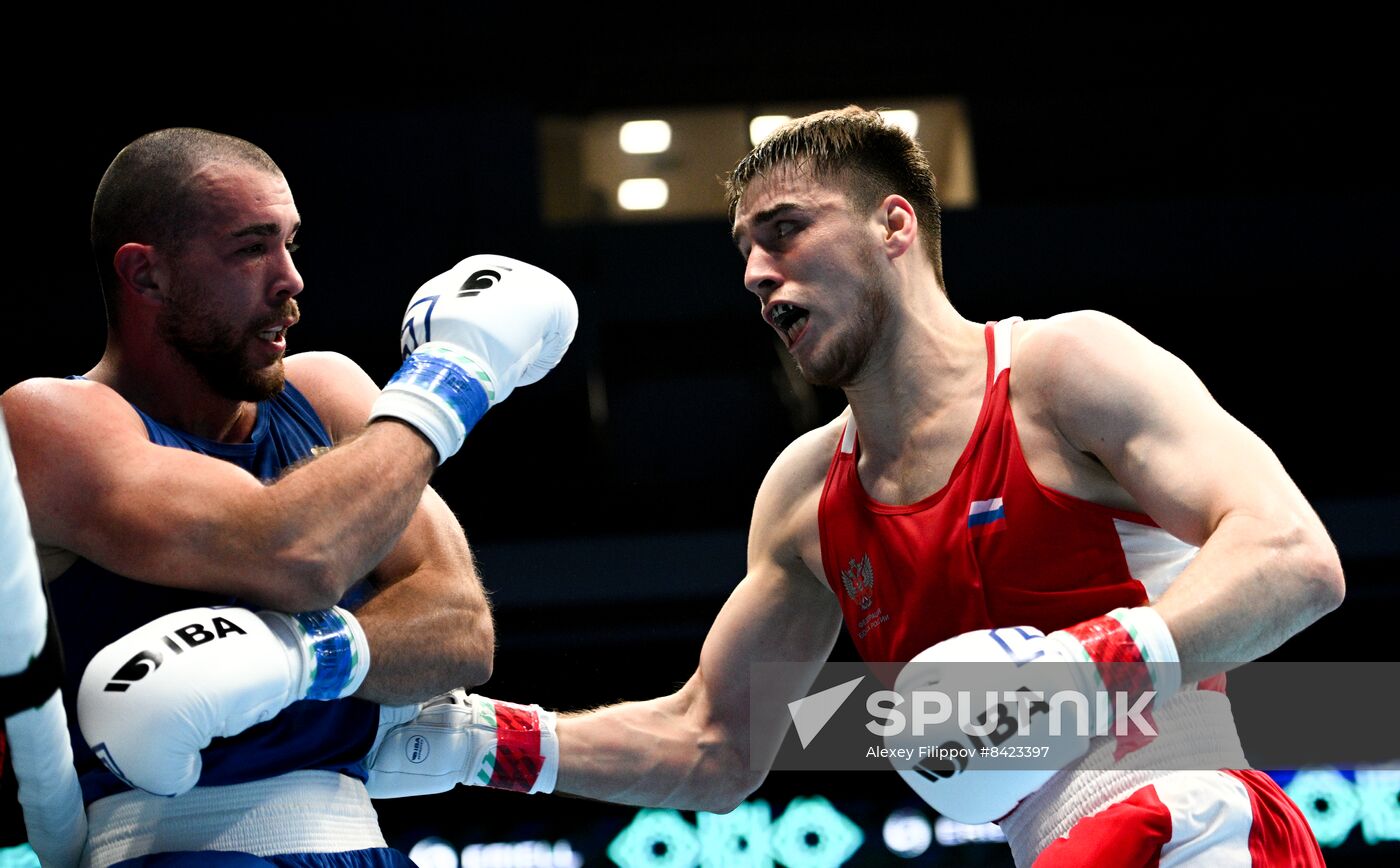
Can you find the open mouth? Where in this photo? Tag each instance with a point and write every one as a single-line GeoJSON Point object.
{"type": "Point", "coordinates": [276, 331]}
{"type": "Point", "coordinates": [789, 319]}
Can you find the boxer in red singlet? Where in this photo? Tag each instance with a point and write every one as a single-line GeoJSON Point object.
{"type": "Point", "coordinates": [1041, 473]}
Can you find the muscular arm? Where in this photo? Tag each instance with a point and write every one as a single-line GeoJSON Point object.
{"type": "Point", "coordinates": [96, 486]}
{"type": "Point", "coordinates": [1266, 568]}
{"type": "Point", "coordinates": [429, 623]}
{"type": "Point", "coordinates": [699, 748]}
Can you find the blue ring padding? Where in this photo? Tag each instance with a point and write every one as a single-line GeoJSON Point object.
{"type": "Point", "coordinates": [448, 380]}
{"type": "Point", "coordinates": [333, 649]}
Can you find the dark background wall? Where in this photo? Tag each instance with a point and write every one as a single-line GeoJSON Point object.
{"type": "Point", "coordinates": [1242, 219]}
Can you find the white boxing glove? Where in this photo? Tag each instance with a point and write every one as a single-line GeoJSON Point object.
{"type": "Point", "coordinates": [978, 755]}
{"type": "Point", "coordinates": [459, 739]}
{"type": "Point", "coordinates": [149, 702]}
{"type": "Point", "coordinates": [470, 336]}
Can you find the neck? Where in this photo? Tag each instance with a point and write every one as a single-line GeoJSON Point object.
{"type": "Point", "coordinates": [157, 379]}
{"type": "Point", "coordinates": [929, 357]}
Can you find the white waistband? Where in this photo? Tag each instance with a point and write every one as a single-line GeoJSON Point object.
{"type": "Point", "coordinates": [300, 812]}
{"type": "Point", "coordinates": [1195, 731]}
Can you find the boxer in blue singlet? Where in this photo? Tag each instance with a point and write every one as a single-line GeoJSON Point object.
{"type": "Point", "coordinates": [194, 467]}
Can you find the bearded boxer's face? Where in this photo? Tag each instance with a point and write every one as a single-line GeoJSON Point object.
{"type": "Point", "coordinates": [232, 353]}
{"type": "Point", "coordinates": [814, 262]}
{"type": "Point", "coordinates": [230, 290]}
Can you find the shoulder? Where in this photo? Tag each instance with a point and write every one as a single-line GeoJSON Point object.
{"type": "Point", "coordinates": [802, 466]}
{"type": "Point", "coordinates": [71, 440]}
{"type": "Point", "coordinates": [48, 408]}
{"type": "Point", "coordinates": [338, 389]}
{"type": "Point", "coordinates": [1087, 359]}
{"type": "Point", "coordinates": [1058, 347]}
{"type": "Point", "coordinates": [323, 368]}
{"type": "Point", "coordinates": [784, 525]}
{"type": "Point", "coordinates": [1101, 383]}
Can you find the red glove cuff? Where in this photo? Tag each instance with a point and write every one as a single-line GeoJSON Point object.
{"type": "Point", "coordinates": [1134, 653]}
{"type": "Point", "coordinates": [518, 755]}
{"type": "Point", "coordinates": [1119, 659]}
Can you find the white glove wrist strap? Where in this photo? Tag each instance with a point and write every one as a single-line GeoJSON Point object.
{"type": "Point", "coordinates": [1158, 649]}
{"type": "Point", "coordinates": [441, 391]}
{"type": "Point", "coordinates": [549, 750]}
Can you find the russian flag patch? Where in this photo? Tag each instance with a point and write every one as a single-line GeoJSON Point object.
{"type": "Point", "coordinates": [986, 515]}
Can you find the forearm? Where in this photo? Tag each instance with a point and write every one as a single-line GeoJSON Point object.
{"type": "Point", "coordinates": [328, 522]}
{"type": "Point", "coordinates": [710, 744]}
{"type": "Point", "coordinates": [1255, 583]}
{"type": "Point", "coordinates": [429, 622]}
{"type": "Point", "coordinates": [658, 753]}
{"type": "Point", "coordinates": [426, 640]}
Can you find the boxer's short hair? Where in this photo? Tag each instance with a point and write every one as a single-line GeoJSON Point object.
{"type": "Point", "coordinates": [146, 195]}
{"type": "Point", "coordinates": [859, 150]}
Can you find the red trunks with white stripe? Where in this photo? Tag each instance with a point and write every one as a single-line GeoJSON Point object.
{"type": "Point", "coordinates": [1221, 819]}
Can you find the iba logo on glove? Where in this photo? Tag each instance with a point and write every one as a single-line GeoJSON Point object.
{"type": "Point", "coordinates": [479, 280]}
{"type": "Point", "coordinates": [416, 749]}
{"type": "Point", "coordinates": [146, 662]}
{"type": "Point", "coordinates": [418, 319]}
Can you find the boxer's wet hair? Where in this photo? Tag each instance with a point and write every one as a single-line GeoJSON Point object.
{"type": "Point", "coordinates": [856, 149]}
{"type": "Point", "coordinates": [146, 195]}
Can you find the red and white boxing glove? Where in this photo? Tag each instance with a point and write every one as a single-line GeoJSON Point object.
{"type": "Point", "coordinates": [469, 337]}
{"type": "Point", "coordinates": [1122, 664]}
{"type": "Point", "coordinates": [459, 739]}
{"type": "Point", "coordinates": [150, 701]}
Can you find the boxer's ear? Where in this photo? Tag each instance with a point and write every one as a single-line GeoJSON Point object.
{"type": "Point", "coordinates": [136, 268]}
{"type": "Point", "coordinates": [899, 225]}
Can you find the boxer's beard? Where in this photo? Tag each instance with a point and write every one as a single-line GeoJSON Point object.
{"type": "Point", "coordinates": [220, 352]}
{"type": "Point", "coordinates": [844, 362]}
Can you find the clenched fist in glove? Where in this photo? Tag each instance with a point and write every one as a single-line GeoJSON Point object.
{"type": "Point", "coordinates": [470, 336]}
{"type": "Point", "coordinates": [990, 735]}
{"type": "Point", "coordinates": [150, 701]}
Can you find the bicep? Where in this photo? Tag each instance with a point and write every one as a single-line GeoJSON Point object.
{"type": "Point", "coordinates": [772, 617]}
{"type": "Point", "coordinates": [343, 395]}
{"type": "Point", "coordinates": [434, 537]}
{"type": "Point", "coordinates": [96, 486]}
{"type": "Point", "coordinates": [779, 614]}
{"type": "Point", "coordinates": [707, 747]}
{"type": "Point", "coordinates": [1161, 435]}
